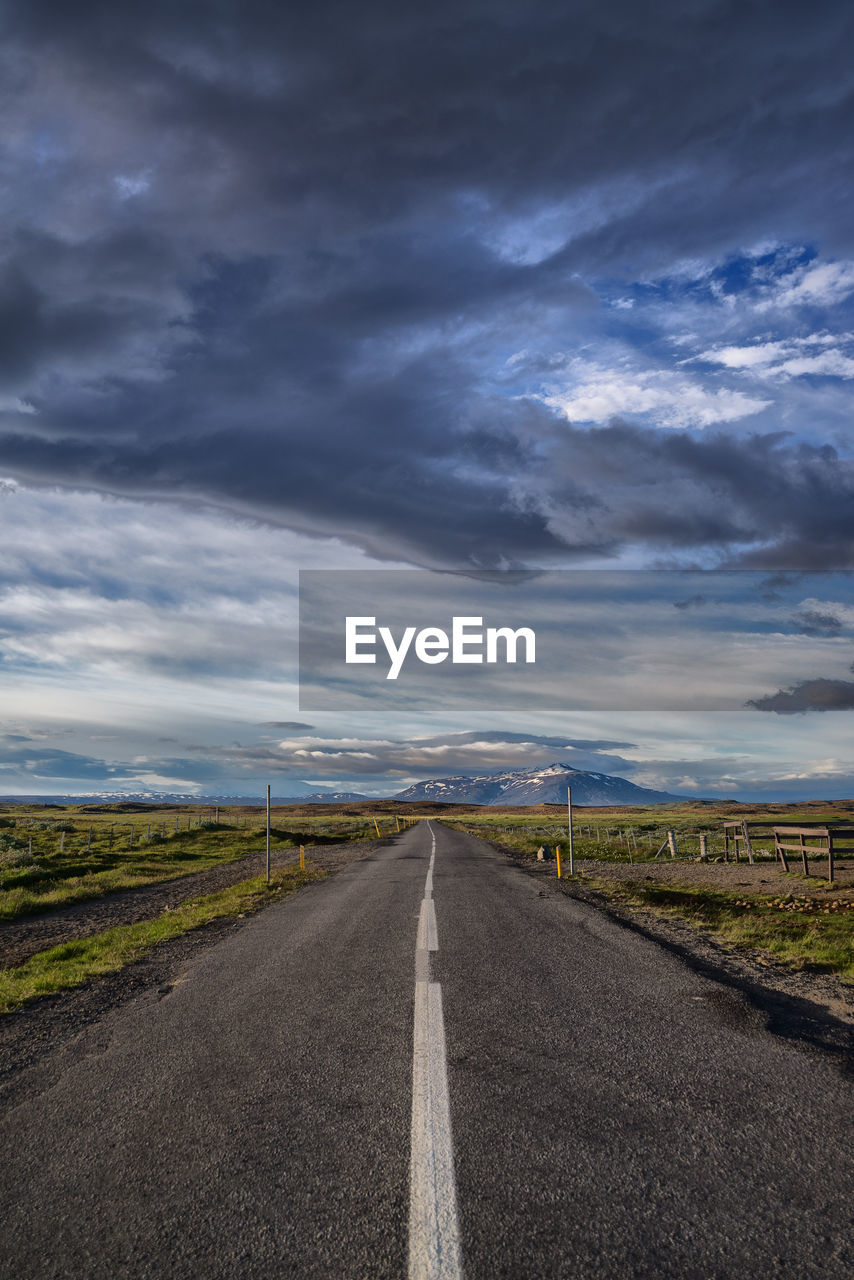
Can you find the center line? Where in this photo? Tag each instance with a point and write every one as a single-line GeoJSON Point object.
{"type": "Point", "coordinates": [434, 1243]}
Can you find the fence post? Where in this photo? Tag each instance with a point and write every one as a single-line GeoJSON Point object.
{"type": "Point", "coordinates": [569, 814]}
{"type": "Point", "coordinates": [748, 846]}
{"type": "Point", "coordinates": [671, 843]}
{"type": "Point", "coordinates": [830, 855]}
{"type": "Point", "coordinates": [704, 846]}
{"type": "Point", "coordinates": [268, 833]}
{"type": "Point", "coordinates": [780, 851]}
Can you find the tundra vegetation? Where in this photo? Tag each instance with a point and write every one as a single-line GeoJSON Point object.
{"type": "Point", "coordinates": [52, 856]}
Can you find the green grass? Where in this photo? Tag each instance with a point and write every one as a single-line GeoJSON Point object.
{"type": "Point", "coordinates": [73, 963]}
{"type": "Point", "coordinates": [816, 933]}
{"type": "Point", "coordinates": [636, 834]}
{"type": "Point", "coordinates": [60, 872]}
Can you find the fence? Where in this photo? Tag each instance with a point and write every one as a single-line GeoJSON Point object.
{"type": "Point", "coordinates": [828, 844]}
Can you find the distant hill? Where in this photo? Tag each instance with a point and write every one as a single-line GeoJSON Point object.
{"type": "Point", "coordinates": [537, 786]}
{"type": "Point", "coordinates": [154, 799]}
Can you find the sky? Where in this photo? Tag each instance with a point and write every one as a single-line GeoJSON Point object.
{"type": "Point", "coordinates": [461, 287]}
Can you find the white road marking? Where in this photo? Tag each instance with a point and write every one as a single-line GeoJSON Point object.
{"type": "Point", "coordinates": [432, 931]}
{"type": "Point", "coordinates": [434, 1239]}
{"type": "Point", "coordinates": [428, 937]}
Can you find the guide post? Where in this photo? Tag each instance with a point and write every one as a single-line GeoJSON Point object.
{"type": "Point", "coordinates": [268, 833]}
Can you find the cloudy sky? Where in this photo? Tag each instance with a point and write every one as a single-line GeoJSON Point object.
{"type": "Point", "coordinates": [458, 286]}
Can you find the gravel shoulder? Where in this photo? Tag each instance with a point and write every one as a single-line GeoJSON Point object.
{"type": "Point", "coordinates": [763, 877]}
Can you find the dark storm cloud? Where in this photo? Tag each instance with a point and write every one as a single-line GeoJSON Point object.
{"type": "Point", "coordinates": [790, 501]}
{"type": "Point", "coordinates": [809, 695]}
{"type": "Point", "coordinates": [253, 254]}
{"type": "Point", "coordinates": [48, 763]}
{"type": "Point", "coordinates": [45, 762]}
{"type": "Point", "coordinates": [292, 726]}
{"type": "Point", "coordinates": [439, 755]}
{"type": "Point", "coordinates": [810, 622]}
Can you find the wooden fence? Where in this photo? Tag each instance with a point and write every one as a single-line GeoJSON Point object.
{"type": "Point", "coordinates": [821, 842]}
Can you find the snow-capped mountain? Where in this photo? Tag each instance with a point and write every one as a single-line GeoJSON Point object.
{"type": "Point", "coordinates": [536, 786]}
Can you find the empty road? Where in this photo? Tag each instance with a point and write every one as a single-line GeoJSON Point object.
{"type": "Point", "coordinates": [431, 1065]}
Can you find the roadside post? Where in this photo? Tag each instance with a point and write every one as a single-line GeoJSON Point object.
{"type": "Point", "coordinates": [569, 816]}
{"type": "Point", "coordinates": [557, 857]}
{"type": "Point", "coordinates": [268, 833]}
{"type": "Point", "coordinates": [302, 857]}
{"type": "Point", "coordinates": [377, 825]}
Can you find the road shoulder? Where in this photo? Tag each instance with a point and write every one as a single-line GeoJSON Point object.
{"type": "Point", "coordinates": [813, 1010]}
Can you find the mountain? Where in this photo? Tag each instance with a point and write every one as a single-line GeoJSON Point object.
{"type": "Point", "coordinates": [537, 786]}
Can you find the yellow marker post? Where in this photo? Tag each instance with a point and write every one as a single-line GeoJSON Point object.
{"type": "Point", "coordinates": [557, 855]}
{"type": "Point", "coordinates": [376, 824]}
{"type": "Point", "coordinates": [397, 820]}
{"type": "Point", "coordinates": [302, 857]}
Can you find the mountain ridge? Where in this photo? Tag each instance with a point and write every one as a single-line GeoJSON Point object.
{"type": "Point", "coordinates": [545, 785]}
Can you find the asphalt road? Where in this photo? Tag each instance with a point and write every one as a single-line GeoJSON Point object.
{"type": "Point", "coordinates": [405, 1072]}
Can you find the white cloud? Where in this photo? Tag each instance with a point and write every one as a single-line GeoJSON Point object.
{"type": "Point", "coordinates": [598, 393]}
{"type": "Point", "coordinates": [829, 363]}
{"type": "Point", "coordinates": [816, 285]}
{"type": "Point", "coordinates": [819, 353]}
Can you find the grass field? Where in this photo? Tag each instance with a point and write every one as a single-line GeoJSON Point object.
{"type": "Point", "coordinates": [636, 834]}
{"type": "Point", "coordinates": [801, 931]}
{"type": "Point", "coordinates": [52, 856]}
{"type": "Point", "coordinates": [73, 963]}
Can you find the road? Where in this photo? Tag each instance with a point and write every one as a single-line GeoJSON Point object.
{"type": "Point", "coordinates": [431, 1065]}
